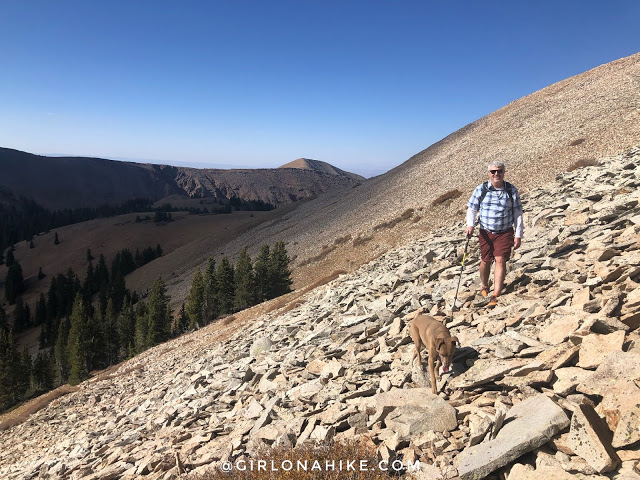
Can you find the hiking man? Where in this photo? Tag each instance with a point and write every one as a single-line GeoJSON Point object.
{"type": "Point", "coordinates": [500, 209]}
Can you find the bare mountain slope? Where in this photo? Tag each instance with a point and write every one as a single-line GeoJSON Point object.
{"type": "Point", "coordinates": [590, 115]}
{"type": "Point", "coordinates": [71, 182]}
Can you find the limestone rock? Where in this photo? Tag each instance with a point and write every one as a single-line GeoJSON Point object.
{"type": "Point", "coordinates": [436, 415]}
{"type": "Point", "coordinates": [590, 438]}
{"type": "Point", "coordinates": [484, 371]}
{"type": "Point", "coordinates": [568, 379]}
{"type": "Point", "coordinates": [595, 348]}
{"type": "Point", "coordinates": [529, 424]}
{"type": "Point", "coordinates": [527, 472]}
{"type": "Point", "coordinates": [260, 345]}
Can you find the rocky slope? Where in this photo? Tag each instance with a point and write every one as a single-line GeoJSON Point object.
{"type": "Point", "coordinates": [588, 116]}
{"type": "Point", "coordinates": [72, 182]}
{"type": "Point", "coordinates": [546, 385]}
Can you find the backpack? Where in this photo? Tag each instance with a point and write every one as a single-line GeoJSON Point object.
{"type": "Point", "coordinates": [507, 188]}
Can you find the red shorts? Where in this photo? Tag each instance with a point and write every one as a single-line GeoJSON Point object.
{"type": "Point", "coordinates": [494, 245]}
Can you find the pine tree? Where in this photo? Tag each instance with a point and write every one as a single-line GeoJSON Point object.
{"type": "Point", "coordinates": [111, 333]}
{"type": "Point", "coordinates": [10, 258]}
{"type": "Point", "coordinates": [21, 316]}
{"type": "Point", "coordinates": [142, 327]}
{"type": "Point", "coordinates": [41, 311]}
{"type": "Point", "coordinates": [43, 372]}
{"type": "Point", "coordinates": [244, 282]}
{"type": "Point", "coordinates": [24, 378]}
{"type": "Point", "coordinates": [226, 287]}
{"type": "Point", "coordinates": [89, 256]}
{"type": "Point", "coordinates": [14, 283]}
{"type": "Point", "coordinates": [88, 287]}
{"type": "Point", "coordinates": [183, 320]}
{"type": "Point", "coordinates": [56, 240]}
{"type": "Point", "coordinates": [118, 290]}
{"type": "Point", "coordinates": [31, 245]}
{"type": "Point", "coordinates": [9, 370]}
{"type": "Point", "coordinates": [52, 304]}
{"type": "Point", "coordinates": [280, 273]}
{"type": "Point", "coordinates": [49, 330]}
{"type": "Point", "coordinates": [126, 329]}
{"type": "Point", "coordinates": [68, 286]}
{"type": "Point", "coordinates": [262, 274]}
{"type": "Point", "coordinates": [77, 344]}
{"type": "Point", "coordinates": [41, 274]}
{"type": "Point", "coordinates": [101, 274]}
{"type": "Point", "coordinates": [61, 350]}
{"type": "Point", "coordinates": [3, 318]}
{"type": "Point", "coordinates": [195, 301]}
{"type": "Point", "coordinates": [159, 321]}
{"type": "Point", "coordinates": [96, 344]}
{"type": "Point", "coordinates": [210, 291]}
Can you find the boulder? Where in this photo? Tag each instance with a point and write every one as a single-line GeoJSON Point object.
{"type": "Point", "coordinates": [528, 425]}
{"type": "Point", "coordinates": [590, 438]}
{"type": "Point", "coordinates": [595, 348]}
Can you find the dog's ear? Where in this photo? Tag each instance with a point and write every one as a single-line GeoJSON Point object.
{"type": "Point", "coordinates": [439, 343]}
{"type": "Point", "coordinates": [454, 341]}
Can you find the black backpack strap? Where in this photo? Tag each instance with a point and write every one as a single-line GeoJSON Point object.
{"type": "Point", "coordinates": [509, 189]}
{"type": "Point", "coordinates": [483, 194]}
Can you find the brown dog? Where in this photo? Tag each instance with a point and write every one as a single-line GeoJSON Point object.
{"type": "Point", "coordinates": [428, 332]}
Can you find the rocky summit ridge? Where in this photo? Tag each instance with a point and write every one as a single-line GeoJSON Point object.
{"type": "Point", "coordinates": [546, 385]}
{"type": "Point", "coordinates": [74, 182]}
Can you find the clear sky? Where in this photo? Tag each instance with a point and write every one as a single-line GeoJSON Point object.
{"type": "Point", "coordinates": [361, 84]}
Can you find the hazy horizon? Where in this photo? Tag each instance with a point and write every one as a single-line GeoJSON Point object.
{"type": "Point", "coordinates": [361, 85]}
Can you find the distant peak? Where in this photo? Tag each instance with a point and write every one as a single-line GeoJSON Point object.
{"type": "Point", "coordinates": [305, 164]}
{"type": "Point", "coordinates": [319, 166]}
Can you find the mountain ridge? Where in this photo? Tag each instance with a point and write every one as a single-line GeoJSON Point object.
{"type": "Point", "coordinates": [75, 182]}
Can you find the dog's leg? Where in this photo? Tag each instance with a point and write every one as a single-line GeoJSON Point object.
{"type": "Point", "coordinates": [437, 366]}
{"type": "Point", "coordinates": [432, 375]}
{"type": "Point", "coordinates": [417, 343]}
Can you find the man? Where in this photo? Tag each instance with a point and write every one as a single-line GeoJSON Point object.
{"type": "Point", "coordinates": [500, 209]}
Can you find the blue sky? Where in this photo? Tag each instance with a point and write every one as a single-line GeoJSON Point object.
{"type": "Point", "coordinates": [362, 85]}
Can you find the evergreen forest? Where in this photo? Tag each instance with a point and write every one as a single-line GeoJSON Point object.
{"type": "Point", "coordinates": [90, 324]}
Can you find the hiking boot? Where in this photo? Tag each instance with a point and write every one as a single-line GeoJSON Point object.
{"type": "Point", "coordinates": [493, 301]}
{"type": "Point", "coordinates": [484, 292]}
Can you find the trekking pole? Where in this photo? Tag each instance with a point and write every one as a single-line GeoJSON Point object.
{"type": "Point", "coordinates": [460, 278]}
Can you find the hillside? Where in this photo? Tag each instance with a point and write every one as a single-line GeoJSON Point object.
{"type": "Point", "coordinates": [545, 385]}
{"type": "Point", "coordinates": [539, 136]}
{"type": "Point", "coordinates": [109, 235]}
{"type": "Point", "coordinates": [73, 182]}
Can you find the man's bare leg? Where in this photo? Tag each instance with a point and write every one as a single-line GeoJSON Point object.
{"type": "Point", "coordinates": [485, 270]}
{"type": "Point", "coordinates": [499, 272]}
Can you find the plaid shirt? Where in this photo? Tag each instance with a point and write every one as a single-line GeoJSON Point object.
{"type": "Point", "coordinates": [496, 214]}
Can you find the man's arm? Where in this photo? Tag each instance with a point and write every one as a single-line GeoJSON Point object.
{"type": "Point", "coordinates": [518, 220]}
{"type": "Point", "coordinates": [472, 209]}
{"type": "Point", "coordinates": [471, 220]}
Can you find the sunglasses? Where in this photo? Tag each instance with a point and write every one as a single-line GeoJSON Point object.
{"type": "Point", "coordinates": [495, 172]}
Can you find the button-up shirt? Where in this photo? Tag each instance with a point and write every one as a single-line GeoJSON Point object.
{"type": "Point", "coordinates": [496, 212]}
